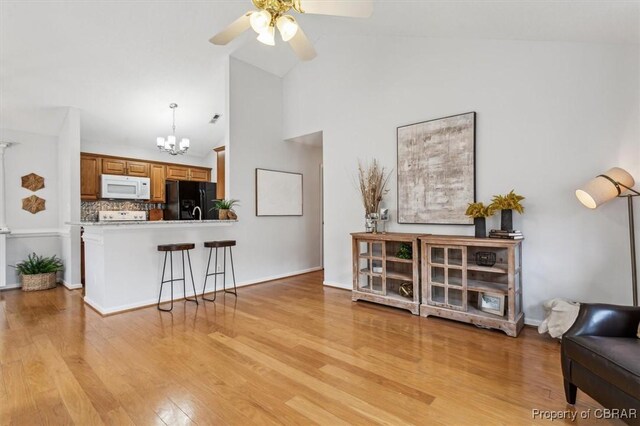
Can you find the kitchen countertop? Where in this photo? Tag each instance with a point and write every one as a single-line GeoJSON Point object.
{"type": "Point", "coordinates": [153, 224]}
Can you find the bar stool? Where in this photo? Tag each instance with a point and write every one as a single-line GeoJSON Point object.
{"type": "Point", "coordinates": [168, 249]}
{"type": "Point", "coordinates": [223, 245]}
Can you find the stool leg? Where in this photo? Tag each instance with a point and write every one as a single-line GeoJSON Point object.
{"type": "Point", "coordinates": [215, 277]}
{"type": "Point", "coordinates": [172, 280]}
{"type": "Point", "coordinates": [204, 288]}
{"type": "Point", "coordinates": [193, 284]}
{"type": "Point", "coordinates": [164, 267]}
{"type": "Point", "coordinates": [233, 273]}
{"type": "Point", "coordinates": [224, 270]}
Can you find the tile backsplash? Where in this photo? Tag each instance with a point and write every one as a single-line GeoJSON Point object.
{"type": "Point", "coordinates": [89, 209]}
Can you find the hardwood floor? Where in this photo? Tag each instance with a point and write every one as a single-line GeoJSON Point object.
{"type": "Point", "coordinates": [285, 352]}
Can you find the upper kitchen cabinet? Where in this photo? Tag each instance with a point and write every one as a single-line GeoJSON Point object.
{"type": "Point", "coordinates": [89, 177]}
{"type": "Point", "coordinates": [158, 178]}
{"type": "Point", "coordinates": [117, 166]}
{"type": "Point", "coordinates": [197, 174]}
{"type": "Point", "coordinates": [200, 175]}
{"type": "Point", "coordinates": [175, 172]}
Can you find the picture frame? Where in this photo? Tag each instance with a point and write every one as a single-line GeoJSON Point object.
{"type": "Point", "coordinates": [437, 170]}
{"type": "Point", "coordinates": [492, 303]}
{"type": "Point", "coordinates": [279, 193]}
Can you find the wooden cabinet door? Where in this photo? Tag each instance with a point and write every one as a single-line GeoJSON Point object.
{"type": "Point", "coordinates": [177, 172]}
{"type": "Point", "coordinates": [158, 180]}
{"type": "Point", "coordinates": [113, 166]}
{"type": "Point", "coordinates": [199, 175]}
{"type": "Point", "coordinates": [137, 168]}
{"type": "Point", "coordinates": [220, 171]}
{"type": "Point", "coordinates": [89, 178]}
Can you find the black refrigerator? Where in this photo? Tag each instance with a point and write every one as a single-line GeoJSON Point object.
{"type": "Point", "coordinates": [183, 197]}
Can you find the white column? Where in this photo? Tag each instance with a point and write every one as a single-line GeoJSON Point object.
{"type": "Point", "coordinates": [4, 230]}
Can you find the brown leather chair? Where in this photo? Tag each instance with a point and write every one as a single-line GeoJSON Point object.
{"type": "Point", "coordinates": [601, 357]}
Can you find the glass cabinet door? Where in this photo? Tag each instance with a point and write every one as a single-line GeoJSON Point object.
{"type": "Point", "coordinates": [370, 267]}
{"type": "Point", "coordinates": [447, 280]}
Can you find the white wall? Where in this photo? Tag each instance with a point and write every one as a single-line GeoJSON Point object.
{"type": "Point", "coordinates": [550, 117]}
{"type": "Point", "coordinates": [38, 233]}
{"type": "Point", "coordinates": [69, 189]}
{"type": "Point", "coordinates": [151, 154]}
{"type": "Point", "coordinates": [268, 246]}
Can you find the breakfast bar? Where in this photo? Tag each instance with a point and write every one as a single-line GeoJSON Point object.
{"type": "Point", "coordinates": [123, 268]}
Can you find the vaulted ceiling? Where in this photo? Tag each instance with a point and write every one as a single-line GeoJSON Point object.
{"type": "Point", "coordinates": [122, 62]}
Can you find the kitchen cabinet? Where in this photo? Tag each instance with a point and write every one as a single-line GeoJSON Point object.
{"type": "Point", "coordinates": [92, 166]}
{"type": "Point", "coordinates": [117, 166]}
{"type": "Point", "coordinates": [220, 170]}
{"type": "Point", "coordinates": [175, 172]}
{"type": "Point", "coordinates": [89, 177]}
{"type": "Point", "coordinates": [199, 175]}
{"type": "Point", "coordinates": [158, 178]}
{"type": "Point", "coordinates": [196, 174]}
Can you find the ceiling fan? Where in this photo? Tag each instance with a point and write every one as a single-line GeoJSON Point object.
{"type": "Point", "coordinates": [272, 14]}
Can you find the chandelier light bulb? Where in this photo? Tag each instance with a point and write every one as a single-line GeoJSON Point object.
{"type": "Point", "coordinates": [260, 21]}
{"type": "Point", "coordinates": [160, 142]}
{"type": "Point", "coordinates": [171, 140]}
{"type": "Point", "coordinates": [184, 144]}
{"type": "Point", "coordinates": [268, 36]}
{"type": "Point", "coordinates": [287, 26]}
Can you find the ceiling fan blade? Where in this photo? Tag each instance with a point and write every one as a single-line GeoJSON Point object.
{"type": "Point", "coordinates": [302, 46]}
{"type": "Point", "coordinates": [351, 8]}
{"type": "Point", "coordinates": [236, 28]}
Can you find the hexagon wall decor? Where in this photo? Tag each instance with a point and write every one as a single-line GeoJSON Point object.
{"type": "Point", "coordinates": [32, 182]}
{"type": "Point", "coordinates": [33, 204]}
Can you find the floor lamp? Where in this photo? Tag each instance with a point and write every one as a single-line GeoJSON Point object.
{"type": "Point", "coordinates": [613, 184]}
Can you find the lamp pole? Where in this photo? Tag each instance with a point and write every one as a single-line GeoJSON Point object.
{"type": "Point", "coordinates": [632, 241]}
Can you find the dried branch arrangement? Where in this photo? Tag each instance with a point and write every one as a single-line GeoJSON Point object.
{"type": "Point", "coordinates": [372, 180]}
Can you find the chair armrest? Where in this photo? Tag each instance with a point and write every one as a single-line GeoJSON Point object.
{"type": "Point", "coordinates": [606, 321]}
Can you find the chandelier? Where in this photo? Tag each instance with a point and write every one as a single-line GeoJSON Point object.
{"type": "Point", "coordinates": [169, 144]}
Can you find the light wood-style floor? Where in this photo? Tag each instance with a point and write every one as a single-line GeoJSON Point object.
{"type": "Point", "coordinates": [286, 352]}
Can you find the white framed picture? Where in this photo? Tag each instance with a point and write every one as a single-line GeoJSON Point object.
{"type": "Point", "coordinates": [278, 193]}
{"type": "Point", "coordinates": [492, 303]}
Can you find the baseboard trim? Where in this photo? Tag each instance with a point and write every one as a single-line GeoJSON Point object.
{"type": "Point", "coordinates": [278, 277]}
{"type": "Point", "coordinates": [147, 303]}
{"type": "Point", "coordinates": [336, 286]}
{"type": "Point", "coordinates": [532, 322]}
{"type": "Point", "coordinates": [71, 286]}
{"type": "Point", "coordinates": [11, 287]}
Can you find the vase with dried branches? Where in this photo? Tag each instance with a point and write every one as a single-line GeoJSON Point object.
{"type": "Point", "coordinates": [372, 182]}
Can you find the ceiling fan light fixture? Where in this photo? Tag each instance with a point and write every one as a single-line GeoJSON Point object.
{"type": "Point", "coordinates": [260, 21]}
{"type": "Point", "coordinates": [287, 26]}
{"type": "Point", "coordinates": [268, 36]}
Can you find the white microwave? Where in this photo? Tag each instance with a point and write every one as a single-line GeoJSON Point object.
{"type": "Point", "coordinates": [125, 187]}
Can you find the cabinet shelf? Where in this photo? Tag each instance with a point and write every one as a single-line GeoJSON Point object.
{"type": "Point", "coordinates": [498, 268]}
{"type": "Point", "coordinates": [491, 287]}
{"type": "Point", "coordinates": [398, 260]}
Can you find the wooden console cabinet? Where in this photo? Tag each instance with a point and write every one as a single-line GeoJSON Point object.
{"type": "Point", "coordinates": [454, 280]}
{"type": "Point", "coordinates": [378, 272]}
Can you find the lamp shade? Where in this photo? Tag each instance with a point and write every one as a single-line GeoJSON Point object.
{"type": "Point", "coordinates": [600, 190]}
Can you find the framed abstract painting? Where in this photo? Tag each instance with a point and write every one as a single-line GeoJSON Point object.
{"type": "Point", "coordinates": [437, 171]}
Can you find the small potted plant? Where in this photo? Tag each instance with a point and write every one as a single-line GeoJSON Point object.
{"type": "Point", "coordinates": [507, 204]}
{"type": "Point", "coordinates": [225, 209]}
{"type": "Point", "coordinates": [39, 272]}
{"type": "Point", "coordinates": [479, 212]}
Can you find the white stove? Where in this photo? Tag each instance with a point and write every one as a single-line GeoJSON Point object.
{"type": "Point", "coordinates": [122, 216]}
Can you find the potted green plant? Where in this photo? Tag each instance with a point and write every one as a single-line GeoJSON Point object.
{"type": "Point", "coordinates": [507, 204]}
{"type": "Point", "coordinates": [225, 209]}
{"type": "Point", "coordinates": [39, 272]}
{"type": "Point", "coordinates": [479, 212]}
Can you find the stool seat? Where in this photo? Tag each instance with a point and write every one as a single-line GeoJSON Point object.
{"type": "Point", "coordinates": [219, 244]}
{"type": "Point", "coordinates": [176, 247]}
